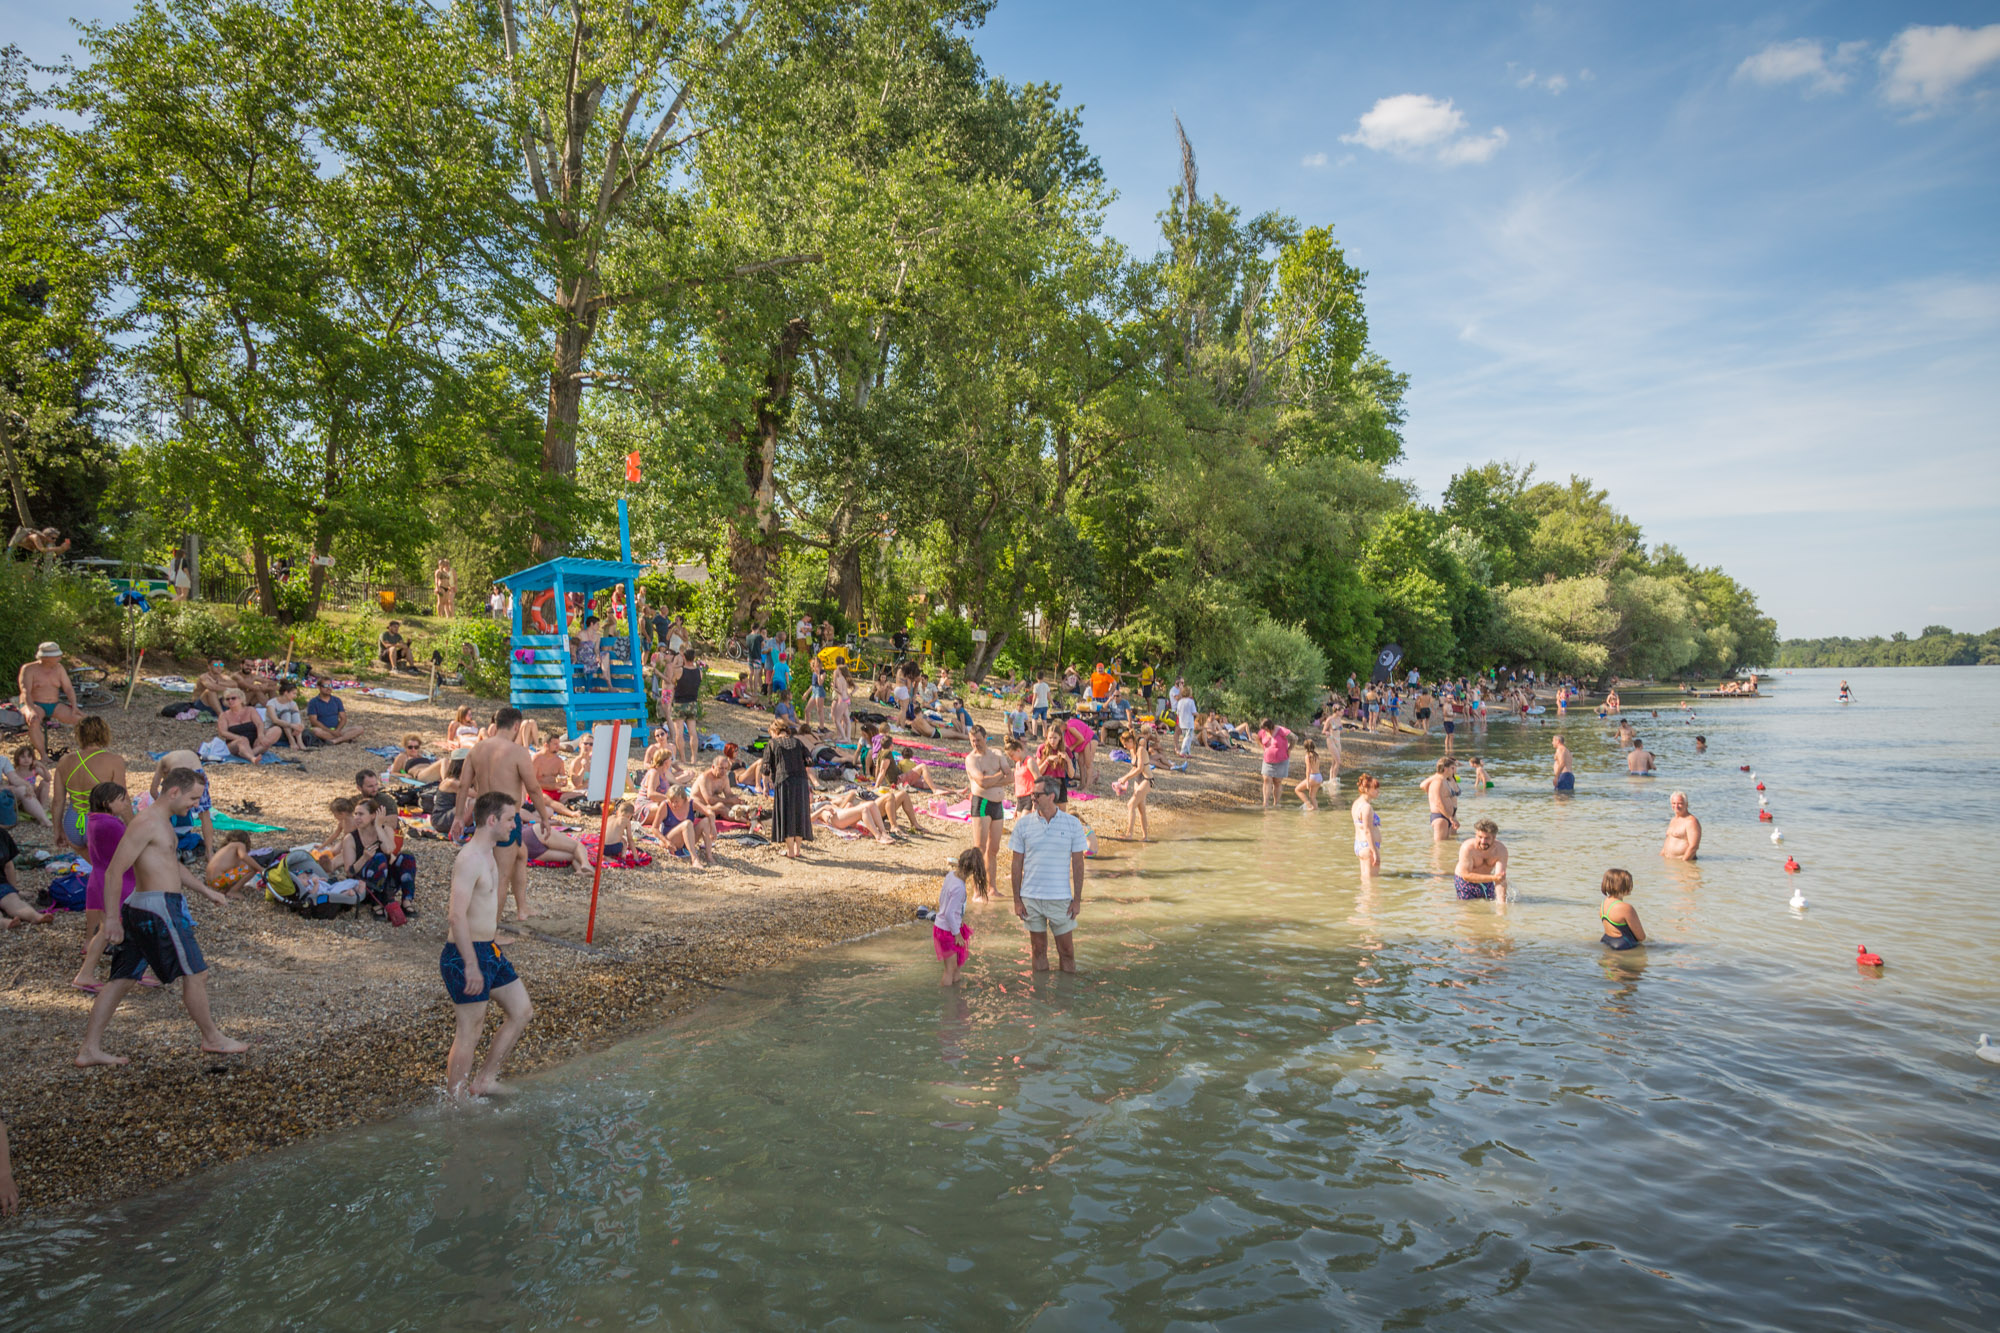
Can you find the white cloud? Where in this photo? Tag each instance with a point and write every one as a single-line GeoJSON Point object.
{"type": "Point", "coordinates": [1924, 66]}
{"type": "Point", "coordinates": [1804, 60]}
{"type": "Point", "coordinates": [1313, 160]}
{"type": "Point", "coordinates": [1552, 83]}
{"type": "Point", "coordinates": [1414, 125]}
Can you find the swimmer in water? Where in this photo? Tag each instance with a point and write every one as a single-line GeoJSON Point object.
{"type": "Point", "coordinates": [1479, 778]}
{"type": "Point", "coordinates": [1367, 825]}
{"type": "Point", "coordinates": [1565, 777]}
{"type": "Point", "coordinates": [1701, 745]}
{"type": "Point", "coordinates": [1639, 763]}
{"type": "Point", "coordinates": [1618, 918]}
{"type": "Point", "coordinates": [1683, 831]}
{"type": "Point", "coordinates": [1441, 788]}
{"type": "Point", "coordinates": [1481, 871]}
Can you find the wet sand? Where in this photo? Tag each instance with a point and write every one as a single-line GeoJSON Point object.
{"type": "Point", "coordinates": [347, 1018]}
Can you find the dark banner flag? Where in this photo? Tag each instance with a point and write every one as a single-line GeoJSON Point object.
{"type": "Point", "coordinates": [1385, 663]}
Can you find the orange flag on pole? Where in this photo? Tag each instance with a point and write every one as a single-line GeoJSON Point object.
{"type": "Point", "coordinates": [632, 467]}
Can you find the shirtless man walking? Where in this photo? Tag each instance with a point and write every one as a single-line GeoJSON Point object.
{"type": "Point", "coordinates": [153, 930]}
{"type": "Point", "coordinates": [1683, 831]}
{"type": "Point", "coordinates": [986, 783]}
{"type": "Point", "coordinates": [501, 764]}
{"type": "Point", "coordinates": [475, 916]}
{"type": "Point", "coordinates": [1565, 776]}
{"type": "Point", "coordinates": [1482, 864]}
{"type": "Point", "coordinates": [1640, 761]}
{"type": "Point", "coordinates": [1442, 789]}
{"type": "Point", "coordinates": [46, 692]}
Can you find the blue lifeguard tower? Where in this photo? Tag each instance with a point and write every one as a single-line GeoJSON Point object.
{"type": "Point", "coordinates": [543, 673]}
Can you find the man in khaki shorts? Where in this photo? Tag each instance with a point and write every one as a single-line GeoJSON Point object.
{"type": "Point", "coordinates": [1048, 847]}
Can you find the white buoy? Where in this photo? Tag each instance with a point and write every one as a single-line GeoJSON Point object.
{"type": "Point", "coordinates": [1988, 1051]}
{"type": "Point", "coordinates": [1798, 901]}
{"type": "Point", "coordinates": [1762, 799]}
{"type": "Point", "coordinates": [1776, 836]}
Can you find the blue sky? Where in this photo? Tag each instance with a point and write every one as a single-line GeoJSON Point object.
{"type": "Point", "coordinates": [1739, 264]}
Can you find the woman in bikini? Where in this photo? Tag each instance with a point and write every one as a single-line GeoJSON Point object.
{"type": "Point", "coordinates": [1140, 779]}
{"type": "Point", "coordinates": [1308, 787]}
{"type": "Point", "coordinates": [1367, 824]}
{"type": "Point", "coordinates": [91, 763]}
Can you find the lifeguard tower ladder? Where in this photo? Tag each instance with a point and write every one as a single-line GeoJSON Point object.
{"type": "Point", "coordinates": [543, 672]}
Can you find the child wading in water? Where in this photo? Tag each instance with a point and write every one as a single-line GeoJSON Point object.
{"type": "Point", "coordinates": [949, 929]}
{"type": "Point", "coordinates": [1619, 918]}
{"type": "Point", "coordinates": [1309, 785]}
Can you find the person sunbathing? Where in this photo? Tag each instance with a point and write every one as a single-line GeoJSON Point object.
{"type": "Point", "coordinates": [847, 810]}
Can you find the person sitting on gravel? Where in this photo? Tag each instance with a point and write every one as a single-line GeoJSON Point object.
{"type": "Point", "coordinates": [241, 729]}
{"type": "Point", "coordinates": [684, 827]}
{"type": "Point", "coordinates": [283, 713]}
{"type": "Point", "coordinates": [714, 797]}
{"type": "Point", "coordinates": [392, 651]}
{"type": "Point", "coordinates": [15, 910]}
{"type": "Point", "coordinates": [329, 724]}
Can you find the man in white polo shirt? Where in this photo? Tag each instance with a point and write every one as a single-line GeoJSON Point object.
{"type": "Point", "coordinates": [1184, 717]}
{"type": "Point", "coordinates": [1048, 847]}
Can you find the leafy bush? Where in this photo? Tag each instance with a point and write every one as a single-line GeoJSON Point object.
{"type": "Point", "coordinates": [494, 639]}
{"type": "Point", "coordinates": [191, 631]}
{"type": "Point", "coordinates": [40, 602]}
{"type": "Point", "coordinates": [257, 635]}
{"type": "Point", "coordinates": [950, 638]}
{"type": "Point", "coordinates": [1278, 673]}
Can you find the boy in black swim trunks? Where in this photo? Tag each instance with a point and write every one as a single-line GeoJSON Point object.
{"type": "Point", "coordinates": [475, 914]}
{"type": "Point", "coordinates": [153, 930]}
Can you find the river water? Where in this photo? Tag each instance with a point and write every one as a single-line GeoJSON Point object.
{"type": "Point", "coordinates": [1275, 1097]}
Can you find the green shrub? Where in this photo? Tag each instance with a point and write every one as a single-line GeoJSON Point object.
{"type": "Point", "coordinates": [191, 631]}
{"type": "Point", "coordinates": [950, 639]}
{"type": "Point", "coordinates": [495, 641]}
{"type": "Point", "coordinates": [1279, 673]}
{"type": "Point", "coordinates": [39, 602]}
{"type": "Point", "coordinates": [257, 635]}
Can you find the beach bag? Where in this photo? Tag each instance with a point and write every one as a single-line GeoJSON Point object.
{"type": "Point", "coordinates": [9, 816]}
{"type": "Point", "coordinates": [279, 886]}
{"type": "Point", "coordinates": [12, 719]}
{"type": "Point", "coordinates": [66, 893]}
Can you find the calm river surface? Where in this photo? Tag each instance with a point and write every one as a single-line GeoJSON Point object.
{"type": "Point", "coordinates": [1275, 1098]}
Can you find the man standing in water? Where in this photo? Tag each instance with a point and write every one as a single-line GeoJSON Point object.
{"type": "Point", "coordinates": [1482, 864]}
{"type": "Point", "coordinates": [986, 779]}
{"type": "Point", "coordinates": [1640, 761]}
{"type": "Point", "coordinates": [1047, 874]}
{"type": "Point", "coordinates": [1442, 789]}
{"type": "Point", "coordinates": [1565, 777]}
{"type": "Point", "coordinates": [501, 765]}
{"type": "Point", "coordinates": [1683, 831]}
{"type": "Point", "coordinates": [153, 929]}
{"type": "Point", "coordinates": [473, 968]}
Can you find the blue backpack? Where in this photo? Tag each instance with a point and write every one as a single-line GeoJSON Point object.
{"type": "Point", "coordinates": [66, 892]}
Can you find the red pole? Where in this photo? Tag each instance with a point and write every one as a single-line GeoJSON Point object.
{"type": "Point", "coordinates": [603, 823]}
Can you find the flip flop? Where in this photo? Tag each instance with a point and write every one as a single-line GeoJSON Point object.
{"type": "Point", "coordinates": [88, 987]}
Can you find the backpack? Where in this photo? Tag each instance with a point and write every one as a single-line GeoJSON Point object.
{"type": "Point", "coordinates": [66, 892]}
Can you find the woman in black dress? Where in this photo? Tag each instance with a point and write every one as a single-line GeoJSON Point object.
{"type": "Point", "coordinates": [791, 811]}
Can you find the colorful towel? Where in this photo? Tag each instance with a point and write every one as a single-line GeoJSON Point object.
{"type": "Point", "coordinates": [171, 684]}
{"type": "Point", "coordinates": [222, 821]}
{"type": "Point", "coordinates": [270, 757]}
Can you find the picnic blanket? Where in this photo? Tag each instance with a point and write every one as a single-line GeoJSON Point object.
{"type": "Point", "coordinates": [222, 821]}
{"type": "Point", "coordinates": [399, 696]}
{"type": "Point", "coordinates": [171, 684]}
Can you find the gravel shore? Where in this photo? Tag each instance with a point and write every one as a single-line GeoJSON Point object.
{"type": "Point", "coordinates": [347, 1018]}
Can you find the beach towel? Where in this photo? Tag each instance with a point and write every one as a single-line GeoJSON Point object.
{"type": "Point", "coordinates": [171, 684]}
{"type": "Point", "coordinates": [206, 758]}
{"type": "Point", "coordinates": [400, 696]}
{"type": "Point", "coordinates": [383, 751]}
{"type": "Point", "coordinates": [226, 822]}
{"type": "Point", "coordinates": [962, 811]}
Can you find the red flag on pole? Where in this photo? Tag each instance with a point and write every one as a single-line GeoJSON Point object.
{"type": "Point", "coordinates": [632, 467]}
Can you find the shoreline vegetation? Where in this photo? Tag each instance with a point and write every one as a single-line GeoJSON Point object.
{"type": "Point", "coordinates": [1936, 646]}
{"type": "Point", "coordinates": [346, 1017]}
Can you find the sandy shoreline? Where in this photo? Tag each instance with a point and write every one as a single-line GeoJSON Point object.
{"type": "Point", "coordinates": [348, 1019]}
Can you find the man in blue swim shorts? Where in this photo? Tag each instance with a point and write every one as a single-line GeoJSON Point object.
{"type": "Point", "coordinates": [1564, 775]}
{"type": "Point", "coordinates": [473, 968]}
{"type": "Point", "coordinates": [1482, 864]}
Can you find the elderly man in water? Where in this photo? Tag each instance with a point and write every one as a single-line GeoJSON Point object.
{"type": "Point", "coordinates": [1683, 831]}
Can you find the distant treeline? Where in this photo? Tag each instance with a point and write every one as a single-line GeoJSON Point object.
{"type": "Point", "coordinates": [1936, 646]}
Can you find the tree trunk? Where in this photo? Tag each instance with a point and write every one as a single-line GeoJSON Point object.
{"type": "Point", "coordinates": [844, 579]}
{"type": "Point", "coordinates": [14, 474]}
{"type": "Point", "coordinates": [753, 544]}
{"type": "Point", "coordinates": [260, 565]}
{"type": "Point", "coordinates": [984, 655]}
{"type": "Point", "coordinates": [559, 426]}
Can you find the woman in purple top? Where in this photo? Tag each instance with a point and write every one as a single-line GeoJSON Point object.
{"type": "Point", "coordinates": [1277, 743]}
{"type": "Point", "coordinates": [110, 809]}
